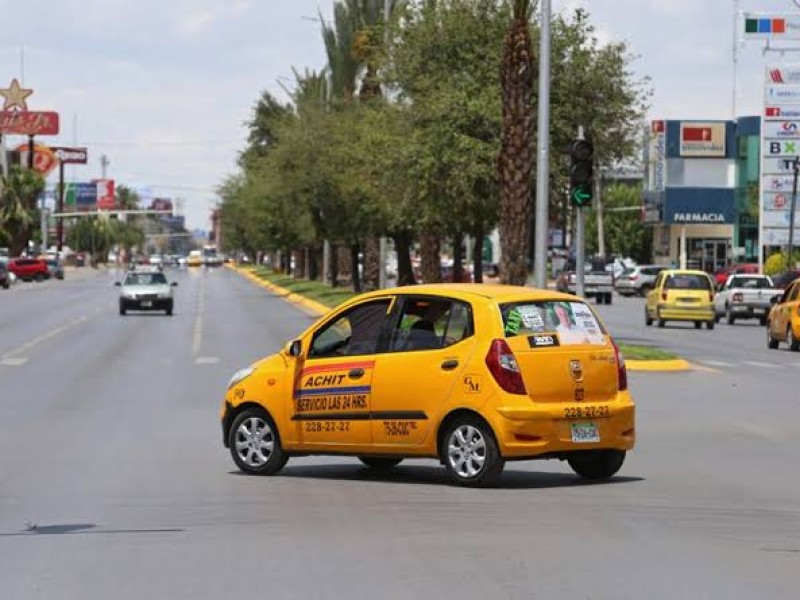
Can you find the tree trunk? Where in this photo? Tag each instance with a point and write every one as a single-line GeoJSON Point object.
{"type": "Point", "coordinates": [402, 245]}
{"type": "Point", "coordinates": [458, 262]}
{"type": "Point", "coordinates": [372, 263]}
{"type": "Point", "coordinates": [313, 262]}
{"type": "Point", "coordinates": [345, 262]}
{"type": "Point", "coordinates": [430, 250]}
{"type": "Point", "coordinates": [333, 266]}
{"type": "Point", "coordinates": [515, 163]}
{"type": "Point", "coordinates": [355, 277]}
{"type": "Point", "coordinates": [477, 254]}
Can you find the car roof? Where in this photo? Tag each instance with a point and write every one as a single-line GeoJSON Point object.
{"type": "Point", "coordinates": [685, 272]}
{"type": "Point", "coordinates": [467, 291]}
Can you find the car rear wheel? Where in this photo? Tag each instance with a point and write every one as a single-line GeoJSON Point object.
{"type": "Point", "coordinates": [647, 319]}
{"type": "Point", "coordinates": [38, 278]}
{"type": "Point", "coordinates": [597, 464]}
{"type": "Point", "coordinates": [609, 298]}
{"type": "Point", "coordinates": [772, 343]}
{"type": "Point", "coordinates": [710, 324]}
{"type": "Point", "coordinates": [763, 321]}
{"type": "Point", "coordinates": [122, 310]}
{"type": "Point", "coordinates": [731, 318]}
{"type": "Point", "coordinates": [380, 464]}
{"type": "Point", "coordinates": [661, 322]}
{"type": "Point", "coordinates": [791, 339]}
{"type": "Point", "coordinates": [255, 444]}
{"type": "Point", "coordinates": [698, 325]}
{"type": "Point", "coordinates": [469, 453]}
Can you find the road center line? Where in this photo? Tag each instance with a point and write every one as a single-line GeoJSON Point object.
{"type": "Point", "coordinates": [197, 333]}
{"type": "Point", "coordinates": [763, 365]}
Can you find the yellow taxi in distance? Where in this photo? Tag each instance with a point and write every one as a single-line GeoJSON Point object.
{"type": "Point", "coordinates": [783, 322]}
{"type": "Point", "coordinates": [681, 295]}
{"type": "Point", "coordinates": [471, 374]}
{"type": "Point", "coordinates": [195, 259]}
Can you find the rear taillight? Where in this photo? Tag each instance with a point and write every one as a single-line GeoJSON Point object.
{"type": "Point", "coordinates": [737, 297]}
{"type": "Point", "coordinates": [664, 296]}
{"type": "Point", "coordinates": [504, 368]}
{"type": "Point", "coordinates": [622, 370]}
{"type": "Point", "coordinates": [633, 277]}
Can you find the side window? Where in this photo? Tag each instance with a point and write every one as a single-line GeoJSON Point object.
{"type": "Point", "coordinates": [659, 280]}
{"type": "Point", "coordinates": [431, 323]}
{"type": "Point", "coordinates": [794, 292]}
{"type": "Point", "coordinates": [354, 333]}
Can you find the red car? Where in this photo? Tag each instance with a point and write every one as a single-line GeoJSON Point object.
{"type": "Point", "coordinates": [744, 269]}
{"type": "Point", "coordinates": [29, 269]}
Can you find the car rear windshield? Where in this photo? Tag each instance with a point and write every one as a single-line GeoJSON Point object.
{"type": "Point", "coordinates": [754, 283]}
{"type": "Point", "coordinates": [573, 322]}
{"type": "Point", "coordinates": [145, 279]}
{"type": "Point", "coordinates": [687, 281]}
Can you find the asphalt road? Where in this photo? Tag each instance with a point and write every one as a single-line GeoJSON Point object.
{"type": "Point", "coordinates": [114, 482]}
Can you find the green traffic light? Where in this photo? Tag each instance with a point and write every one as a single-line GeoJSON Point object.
{"type": "Point", "coordinates": [581, 195]}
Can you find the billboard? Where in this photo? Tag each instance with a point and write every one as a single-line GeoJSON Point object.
{"type": "Point", "coordinates": [71, 156]}
{"type": "Point", "coordinates": [16, 122]}
{"type": "Point", "coordinates": [106, 199]}
{"type": "Point", "coordinates": [702, 140]}
{"type": "Point", "coordinates": [80, 195]}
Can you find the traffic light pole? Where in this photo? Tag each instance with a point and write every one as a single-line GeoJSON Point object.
{"type": "Point", "coordinates": [580, 272]}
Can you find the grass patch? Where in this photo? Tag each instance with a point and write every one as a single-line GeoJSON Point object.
{"type": "Point", "coordinates": [637, 352]}
{"type": "Point", "coordinates": [313, 290]}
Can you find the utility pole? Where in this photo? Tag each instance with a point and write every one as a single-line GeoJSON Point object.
{"type": "Point", "coordinates": [598, 193]}
{"type": "Point", "coordinates": [382, 252]}
{"type": "Point", "coordinates": [792, 207]}
{"type": "Point", "coordinates": [581, 172]}
{"type": "Point", "coordinates": [104, 162]}
{"type": "Point", "coordinates": [543, 154]}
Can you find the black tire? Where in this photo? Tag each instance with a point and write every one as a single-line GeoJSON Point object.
{"type": "Point", "coordinates": [168, 310]}
{"type": "Point", "coordinates": [38, 278]}
{"type": "Point", "coordinates": [122, 310]}
{"type": "Point", "coordinates": [256, 463]}
{"type": "Point", "coordinates": [772, 343]}
{"type": "Point", "coordinates": [730, 317]}
{"type": "Point", "coordinates": [710, 325]}
{"type": "Point", "coordinates": [380, 464]}
{"type": "Point", "coordinates": [794, 343]}
{"type": "Point", "coordinates": [599, 299]}
{"type": "Point", "coordinates": [597, 464]}
{"type": "Point", "coordinates": [6, 285]}
{"type": "Point", "coordinates": [647, 318]}
{"type": "Point", "coordinates": [481, 444]}
{"type": "Point", "coordinates": [609, 299]}
{"type": "Point", "coordinates": [661, 322]}
{"type": "Point", "coordinates": [717, 318]}
{"type": "Point", "coordinates": [698, 325]}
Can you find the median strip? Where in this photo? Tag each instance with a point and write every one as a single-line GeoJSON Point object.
{"type": "Point", "coordinates": [317, 298]}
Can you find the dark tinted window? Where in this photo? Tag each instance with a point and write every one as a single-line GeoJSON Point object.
{"type": "Point", "coordinates": [431, 323]}
{"type": "Point", "coordinates": [755, 283]}
{"type": "Point", "coordinates": [652, 270]}
{"type": "Point", "coordinates": [355, 332]}
{"type": "Point", "coordinates": [687, 281]}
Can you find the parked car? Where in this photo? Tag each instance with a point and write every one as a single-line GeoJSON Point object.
{"type": "Point", "coordinates": [5, 276]}
{"type": "Point", "coordinates": [637, 280]}
{"type": "Point", "coordinates": [29, 269]}
{"type": "Point", "coordinates": [783, 324]}
{"type": "Point", "coordinates": [80, 259]}
{"type": "Point", "coordinates": [597, 282]}
{"type": "Point", "coordinates": [55, 268]}
{"type": "Point", "coordinates": [745, 297]}
{"type": "Point", "coordinates": [782, 280]}
{"type": "Point", "coordinates": [681, 295]}
{"type": "Point", "coordinates": [720, 277]}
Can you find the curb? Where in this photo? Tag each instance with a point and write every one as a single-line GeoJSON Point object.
{"type": "Point", "coordinates": [311, 307]}
{"type": "Point", "coordinates": [667, 366]}
{"type": "Point", "coordinates": [316, 309]}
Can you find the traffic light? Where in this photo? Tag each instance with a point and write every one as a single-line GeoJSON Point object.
{"type": "Point", "coordinates": [581, 173]}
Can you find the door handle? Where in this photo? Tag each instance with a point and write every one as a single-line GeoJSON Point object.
{"type": "Point", "coordinates": [356, 373]}
{"type": "Point", "coordinates": [449, 365]}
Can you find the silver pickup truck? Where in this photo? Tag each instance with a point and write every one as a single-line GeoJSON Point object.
{"type": "Point", "coordinates": [745, 297]}
{"type": "Point", "coordinates": [596, 284]}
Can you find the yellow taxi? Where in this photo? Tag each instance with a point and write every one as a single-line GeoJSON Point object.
{"type": "Point", "coordinates": [783, 323]}
{"type": "Point", "coordinates": [195, 259]}
{"type": "Point", "coordinates": [681, 295]}
{"type": "Point", "coordinates": [471, 374]}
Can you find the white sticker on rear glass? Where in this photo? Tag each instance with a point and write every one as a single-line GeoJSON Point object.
{"type": "Point", "coordinates": [531, 317]}
{"type": "Point", "coordinates": [576, 324]}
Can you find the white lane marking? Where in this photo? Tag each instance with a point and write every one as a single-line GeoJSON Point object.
{"type": "Point", "coordinates": [44, 337]}
{"type": "Point", "coordinates": [763, 365]}
{"type": "Point", "coordinates": [206, 360]}
{"type": "Point", "coordinates": [13, 362]}
{"type": "Point", "coordinates": [197, 334]}
{"type": "Point", "coordinates": [716, 363]}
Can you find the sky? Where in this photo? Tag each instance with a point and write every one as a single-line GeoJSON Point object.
{"type": "Point", "coordinates": [163, 89]}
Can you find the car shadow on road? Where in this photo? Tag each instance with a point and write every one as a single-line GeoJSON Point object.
{"type": "Point", "coordinates": [431, 475]}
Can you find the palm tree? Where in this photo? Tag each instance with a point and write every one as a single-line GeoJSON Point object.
{"type": "Point", "coordinates": [20, 190]}
{"type": "Point", "coordinates": [515, 163]}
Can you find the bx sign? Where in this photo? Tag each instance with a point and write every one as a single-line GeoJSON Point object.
{"type": "Point", "coordinates": [74, 156]}
{"type": "Point", "coordinates": [782, 147]}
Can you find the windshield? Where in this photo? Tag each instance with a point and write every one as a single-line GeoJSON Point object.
{"type": "Point", "coordinates": [754, 283]}
{"type": "Point", "coordinates": [574, 322]}
{"type": "Point", "coordinates": [687, 281]}
{"type": "Point", "coordinates": [145, 279]}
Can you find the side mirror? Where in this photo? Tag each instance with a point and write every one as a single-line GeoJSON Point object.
{"type": "Point", "coordinates": [174, 284]}
{"type": "Point", "coordinates": [295, 348]}
{"type": "Point", "coordinates": [773, 300]}
{"type": "Point", "coordinates": [118, 283]}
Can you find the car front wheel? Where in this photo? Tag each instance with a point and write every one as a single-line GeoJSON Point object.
{"type": "Point", "coordinates": [597, 464]}
{"type": "Point", "coordinates": [255, 444]}
{"type": "Point", "coordinates": [791, 339]}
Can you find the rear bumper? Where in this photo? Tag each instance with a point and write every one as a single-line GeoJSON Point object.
{"type": "Point", "coordinates": [686, 313]}
{"type": "Point", "coordinates": [161, 304]}
{"type": "Point", "coordinates": [754, 310]}
{"type": "Point", "coordinates": [529, 432]}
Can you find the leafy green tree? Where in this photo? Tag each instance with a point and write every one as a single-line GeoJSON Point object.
{"type": "Point", "coordinates": [18, 214]}
{"type": "Point", "coordinates": [625, 234]}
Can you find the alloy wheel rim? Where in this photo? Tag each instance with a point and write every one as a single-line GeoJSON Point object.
{"type": "Point", "coordinates": [254, 442]}
{"type": "Point", "coordinates": [466, 451]}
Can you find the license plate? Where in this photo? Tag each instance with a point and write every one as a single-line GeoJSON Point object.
{"type": "Point", "coordinates": [147, 304]}
{"type": "Point", "coordinates": [585, 433]}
